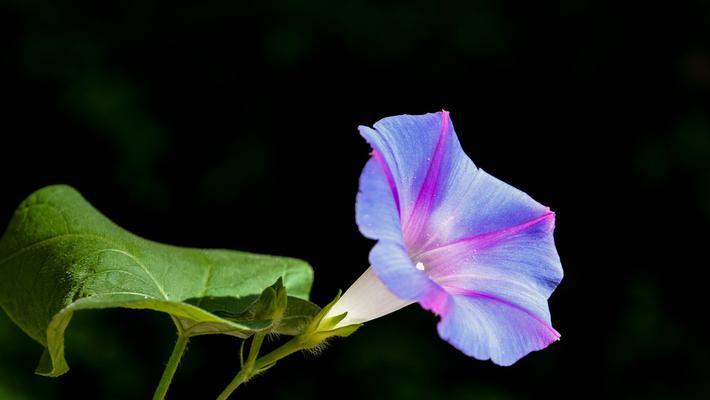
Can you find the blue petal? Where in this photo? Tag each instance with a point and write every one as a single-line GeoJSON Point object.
{"type": "Point", "coordinates": [487, 249]}
{"type": "Point", "coordinates": [378, 218]}
{"type": "Point", "coordinates": [406, 144]}
{"type": "Point", "coordinates": [440, 194]}
{"type": "Point", "coordinates": [419, 155]}
{"type": "Point", "coordinates": [499, 281]}
{"type": "Point", "coordinates": [486, 327]}
{"type": "Point", "coordinates": [375, 208]}
{"type": "Point", "coordinates": [518, 256]}
{"type": "Point", "coordinates": [396, 270]}
{"type": "Point", "coordinates": [475, 203]}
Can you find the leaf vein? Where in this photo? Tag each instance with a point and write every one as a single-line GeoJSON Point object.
{"type": "Point", "coordinates": [51, 240]}
{"type": "Point", "coordinates": [144, 268]}
{"type": "Point", "coordinates": [208, 278]}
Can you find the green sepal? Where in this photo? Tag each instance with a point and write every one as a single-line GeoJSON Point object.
{"type": "Point", "coordinates": [321, 328]}
{"type": "Point", "coordinates": [276, 312]}
{"type": "Point", "coordinates": [344, 331]}
{"type": "Point", "coordinates": [272, 302]}
{"type": "Point", "coordinates": [332, 322]}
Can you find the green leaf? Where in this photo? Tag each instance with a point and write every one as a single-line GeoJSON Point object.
{"type": "Point", "coordinates": [60, 255]}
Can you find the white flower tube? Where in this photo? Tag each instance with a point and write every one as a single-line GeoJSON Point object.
{"type": "Point", "coordinates": [365, 300]}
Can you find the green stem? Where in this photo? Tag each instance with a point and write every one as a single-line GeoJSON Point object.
{"type": "Point", "coordinates": [286, 349]}
{"type": "Point", "coordinates": [170, 369]}
{"type": "Point", "coordinates": [254, 348]}
{"type": "Point", "coordinates": [318, 330]}
{"type": "Point", "coordinates": [253, 365]}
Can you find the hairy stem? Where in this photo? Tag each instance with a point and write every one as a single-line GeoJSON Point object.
{"type": "Point", "coordinates": [254, 366]}
{"type": "Point", "coordinates": [171, 367]}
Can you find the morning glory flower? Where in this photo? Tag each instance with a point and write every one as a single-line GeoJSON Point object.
{"type": "Point", "coordinates": [472, 249]}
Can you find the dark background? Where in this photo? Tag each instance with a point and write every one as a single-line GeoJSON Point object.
{"type": "Point", "coordinates": [233, 125]}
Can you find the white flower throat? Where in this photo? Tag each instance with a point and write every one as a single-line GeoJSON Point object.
{"type": "Point", "coordinates": [367, 299]}
{"type": "Point", "coordinates": [420, 266]}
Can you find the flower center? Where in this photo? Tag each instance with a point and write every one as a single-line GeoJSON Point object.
{"type": "Point", "coordinates": [420, 266]}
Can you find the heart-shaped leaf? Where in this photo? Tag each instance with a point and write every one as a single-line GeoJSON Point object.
{"type": "Point", "coordinates": [60, 255]}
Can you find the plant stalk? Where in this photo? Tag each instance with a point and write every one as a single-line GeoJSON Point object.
{"type": "Point", "coordinates": [253, 366]}
{"type": "Point", "coordinates": [171, 367]}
